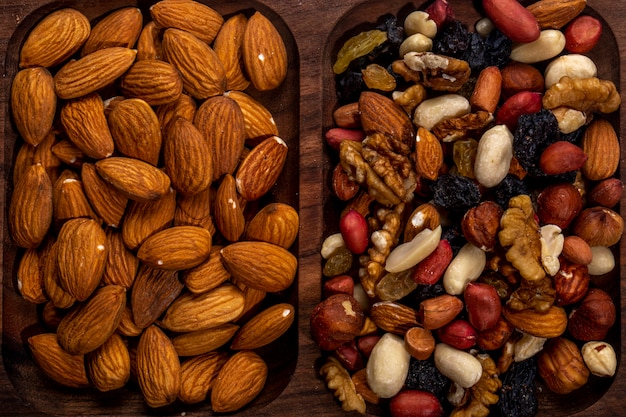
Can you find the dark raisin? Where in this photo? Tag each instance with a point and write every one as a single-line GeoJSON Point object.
{"type": "Point", "coordinates": [454, 235]}
{"type": "Point", "coordinates": [423, 375]}
{"type": "Point", "coordinates": [534, 133]}
{"type": "Point", "coordinates": [510, 186]}
{"type": "Point", "coordinates": [424, 292]}
{"type": "Point", "coordinates": [388, 52]}
{"type": "Point", "coordinates": [497, 49]}
{"type": "Point", "coordinates": [518, 397]}
{"type": "Point", "coordinates": [455, 192]}
{"type": "Point", "coordinates": [349, 86]}
{"type": "Point", "coordinates": [454, 40]}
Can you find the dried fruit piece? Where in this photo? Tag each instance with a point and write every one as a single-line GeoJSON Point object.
{"type": "Point", "coordinates": [356, 47]}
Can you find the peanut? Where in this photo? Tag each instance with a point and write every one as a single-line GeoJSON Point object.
{"type": "Point", "coordinates": [493, 156]}
{"type": "Point", "coordinates": [571, 65]}
{"type": "Point", "coordinates": [458, 365]}
{"type": "Point", "coordinates": [466, 267]}
{"type": "Point", "coordinates": [433, 110]}
{"type": "Point", "coordinates": [388, 366]}
{"type": "Point", "coordinates": [550, 43]}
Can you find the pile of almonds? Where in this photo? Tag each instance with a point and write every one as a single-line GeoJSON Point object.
{"type": "Point", "coordinates": [525, 282]}
{"type": "Point", "coordinates": [142, 200]}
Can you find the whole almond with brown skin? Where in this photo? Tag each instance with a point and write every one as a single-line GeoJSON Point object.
{"type": "Point", "coordinates": [198, 375]}
{"type": "Point", "coordinates": [135, 130]}
{"type": "Point", "coordinates": [158, 368]}
{"type": "Point", "coordinates": [69, 199]}
{"type": "Point", "coordinates": [221, 122]}
{"type": "Point", "coordinates": [53, 40]}
{"type": "Point", "coordinates": [264, 53]}
{"type": "Point", "coordinates": [154, 81]}
{"type": "Point", "coordinates": [30, 277]}
{"type": "Point", "coordinates": [265, 327]}
{"type": "Point", "coordinates": [51, 316]}
{"type": "Point", "coordinates": [228, 213]}
{"type": "Point", "coordinates": [276, 223]}
{"type": "Point", "coordinates": [273, 268]}
{"type": "Point", "coordinates": [393, 317]}
{"type": "Point", "coordinates": [576, 250]}
{"type": "Point", "coordinates": [107, 201]}
{"type": "Point", "coordinates": [428, 154]}
{"type": "Point", "coordinates": [143, 219]}
{"type": "Point", "coordinates": [109, 365]}
{"type": "Point", "coordinates": [549, 324]}
{"type": "Point", "coordinates": [68, 153]}
{"type": "Point", "coordinates": [58, 296]}
{"type": "Point", "coordinates": [191, 312]}
{"type": "Point", "coordinates": [343, 187]}
{"type": "Point", "coordinates": [122, 264]}
{"type": "Point", "coordinates": [228, 47]}
{"type": "Point", "coordinates": [33, 103]}
{"type": "Point", "coordinates": [138, 180]}
{"type": "Point", "coordinates": [119, 28]}
{"type": "Point", "coordinates": [153, 292]}
{"type": "Point", "coordinates": [66, 369]}
{"type": "Point", "coordinates": [127, 326]}
{"type": "Point", "coordinates": [92, 72]}
{"type": "Point", "coordinates": [41, 154]}
{"type": "Point", "coordinates": [199, 66]}
{"type": "Point", "coordinates": [260, 169]}
{"type": "Point", "coordinates": [194, 210]}
{"type": "Point", "coordinates": [88, 325]}
{"type": "Point", "coordinates": [191, 16]}
{"type": "Point", "coordinates": [208, 275]}
{"type": "Point", "coordinates": [253, 298]}
{"type": "Point", "coordinates": [86, 126]}
{"type": "Point", "coordinates": [381, 114]}
{"type": "Point", "coordinates": [554, 14]}
{"type": "Point", "coordinates": [149, 43]}
{"type": "Point", "coordinates": [184, 107]}
{"type": "Point", "coordinates": [239, 381]}
{"type": "Point", "coordinates": [259, 123]}
{"type": "Point", "coordinates": [30, 210]}
{"type": "Point", "coordinates": [176, 248]}
{"type": "Point", "coordinates": [601, 145]}
{"type": "Point", "coordinates": [81, 256]}
{"type": "Point", "coordinates": [187, 157]}
{"type": "Point", "coordinates": [424, 216]}
{"type": "Point", "coordinates": [204, 341]}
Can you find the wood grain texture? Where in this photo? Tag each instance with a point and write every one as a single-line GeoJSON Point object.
{"type": "Point", "coordinates": [311, 24]}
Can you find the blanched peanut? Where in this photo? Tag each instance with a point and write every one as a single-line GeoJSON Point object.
{"type": "Point", "coordinates": [551, 42]}
{"type": "Point", "coordinates": [416, 43]}
{"type": "Point", "coordinates": [420, 22]}
{"type": "Point", "coordinates": [458, 365]}
{"type": "Point", "coordinates": [407, 255]}
{"type": "Point", "coordinates": [388, 366]}
{"type": "Point", "coordinates": [600, 358]}
{"type": "Point", "coordinates": [466, 267]}
{"type": "Point", "coordinates": [484, 27]}
{"type": "Point", "coordinates": [572, 65]}
{"type": "Point", "coordinates": [434, 110]}
{"type": "Point", "coordinates": [493, 156]}
{"type": "Point", "coordinates": [602, 261]}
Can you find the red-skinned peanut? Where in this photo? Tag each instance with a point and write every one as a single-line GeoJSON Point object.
{"type": "Point", "coordinates": [582, 34]}
{"type": "Point", "coordinates": [431, 268]}
{"type": "Point", "coordinates": [341, 284]}
{"type": "Point", "coordinates": [524, 102]}
{"type": "Point", "coordinates": [415, 403]}
{"type": "Point", "coordinates": [513, 19]}
{"type": "Point", "coordinates": [354, 231]}
{"type": "Point", "coordinates": [483, 305]}
{"type": "Point", "coordinates": [459, 334]}
{"type": "Point", "coordinates": [336, 135]}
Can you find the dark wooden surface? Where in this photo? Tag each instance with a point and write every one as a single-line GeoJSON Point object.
{"type": "Point", "coordinates": [311, 23]}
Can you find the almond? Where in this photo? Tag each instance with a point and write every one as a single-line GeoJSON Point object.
{"type": "Point", "coordinates": [58, 296]}
{"type": "Point", "coordinates": [88, 325]}
{"type": "Point", "coordinates": [158, 368]}
{"type": "Point", "coordinates": [253, 298]}
{"type": "Point", "coordinates": [127, 326]}
{"type": "Point", "coordinates": [276, 223]}
{"type": "Point", "coordinates": [86, 126]}
{"type": "Point", "coordinates": [136, 179]}
{"type": "Point", "coordinates": [221, 122]}
{"type": "Point", "coordinates": [191, 16]}
{"type": "Point", "coordinates": [149, 43]}
{"type": "Point", "coordinates": [576, 250]}
{"type": "Point", "coordinates": [554, 14]}
{"type": "Point", "coordinates": [68, 153]}
{"type": "Point", "coordinates": [122, 264]}
{"type": "Point", "coordinates": [153, 292]}
{"type": "Point", "coordinates": [198, 375]}
{"type": "Point", "coordinates": [549, 324]}
{"type": "Point", "coordinates": [199, 66]}
{"type": "Point", "coordinates": [260, 169]}
{"type": "Point", "coordinates": [53, 40]}
{"type": "Point", "coordinates": [81, 256]}
{"type": "Point", "coordinates": [200, 342]}
{"type": "Point", "coordinates": [393, 317]}
{"type": "Point", "coordinates": [176, 248]}
{"type": "Point", "coordinates": [239, 381]}
{"type": "Point", "coordinates": [69, 199]}
{"type": "Point", "coordinates": [143, 219]}
{"type": "Point", "coordinates": [33, 104]}
{"type": "Point", "coordinates": [30, 277]}
{"type": "Point", "coordinates": [64, 368]}
{"type": "Point", "coordinates": [92, 72]}
{"type": "Point", "coordinates": [191, 312]}
{"type": "Point", "coordinates": [107, 201]}
{"type": "Point", "coordinates": [228, 214]}
{"type": "Point", "coordinates": [30, 210]}
{"type": "Point", "coordinates": [184, 107]}
{"type": "Point", "coordinates": [187, 157]}
{"type": "Point", "coordinates": [119, 28]}
{"type": "Point", "coordinates": [260, 265]}
{"type": "Point", "coordinates": [601, 145]}
{"type": "Point", "coordinates": [109, 365]}
{"type": "Point", "coordinates": [208, 275]}
{"type": "Point", "coordinates": [265, 327]}
{"type": "Point", "coordinates": [259, 123]}
{"type": "Point", "coordinates": [194, 210]}
{"type": "Point", "coordinates": [264, 53]}
{"type": "Point", "coordinates": [383, 115]}
{"type": "Point", "coordinates": [154, 81]}
{"type": "Point", "coordinates": [428, 154]}
{"type": "Point", "coordinates": [228, 47]}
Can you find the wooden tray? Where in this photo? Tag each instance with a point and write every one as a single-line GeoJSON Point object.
{"type": "Point", "coordinates": [312, 30]}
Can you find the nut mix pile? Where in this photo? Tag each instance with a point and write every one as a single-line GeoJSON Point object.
{"type": "Point", "coordinates": [138, 201]}
{"type": "Point", "coordinates": [476, 171]}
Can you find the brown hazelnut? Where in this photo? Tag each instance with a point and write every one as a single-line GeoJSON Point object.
{"type": "Point", "coordinates": [607, 192]}
{"type": "Point", "coordinates": [561, 366]}
{"type": "Point", "coordinates": [495, 337]}
{"type": "Point", "coordinates": [559, 204]}
{"type": "Point", "coordinates": [480, 225]}
{"type": "Point", "coordinates": [599, 226]}
{"type": "Point", "coordinates": [336, 320]}
{"type": "Point", "coordinates": [517, 77]}
{"type": "Point", "coordinates": [570, 283]}
{"type": "Point", "coordinates": [419, 342]}
{"type": "Point", "coordinates": [593, 318]}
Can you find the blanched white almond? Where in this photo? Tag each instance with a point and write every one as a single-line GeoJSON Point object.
{"type": "Point", "coordinates": [407, 255]}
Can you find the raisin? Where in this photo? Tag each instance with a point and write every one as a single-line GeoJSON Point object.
{"type": "Point", "coordinates": [378, 78]}
{"type": "Point", "coordinates": [423, 375]}
{"type": "Point", "coordinates": [509, 187]}
{"type": "Point", "coordinates": [455, 192]}
{"type": "Point", "coordinates": [498, 49]}
{"type": "Point", "coordinates": [424, 292]}
{"type": "Point", "coordinates": [358, 46]}
{"type": "Point", "coordinates": [454, 235]}
{"type": "Point", "coordinates": [394, 286]}
{"type": "Point", "coordinates": [338, 263]}
{"type": "Point", "coordinates": [534, 133]}
{"type": "Point", "coordinates": [518, 397]}
{"type": "Point", "coordinates": [464, 155]}
{"type": "Point", "coordinates": [349, 86]}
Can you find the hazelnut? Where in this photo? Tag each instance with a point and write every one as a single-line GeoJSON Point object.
{"type": "Point", "coordinates": [593, 318]}
{"type": "Point", "coordinates": [570, 283]}
{"type": "Point", "coordinates": [599, 226]}
{"type": "Point", "coordinates": [480, 225]}
{"type": "Point", "coordinates": [495, 337]}
{"type": "Point", "coordinates": [336, 320]}
{"type": "Point", "coordinates": [419, 342]}
{"type": "Point", "coordinates": [561, 366]}
{"type": "Point", "coordinates": [600, 358]}
{"type": "Point", "coordinates": [517, 77]}
{"type": "Point", "coordinates": [607, 192]}
{"type": "Point", "coordinates": [559, 204]}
